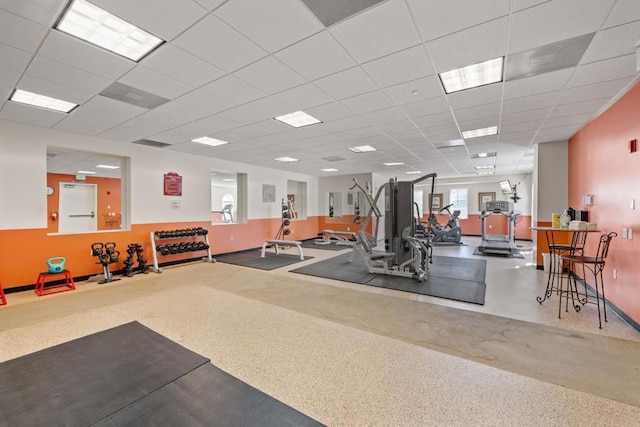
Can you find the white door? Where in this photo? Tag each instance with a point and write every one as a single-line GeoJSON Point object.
{"type": "Point", "coordinates": [77, 209]}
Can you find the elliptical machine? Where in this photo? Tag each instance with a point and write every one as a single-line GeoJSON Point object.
{"type": "Point", "coordinates": [450, 233]}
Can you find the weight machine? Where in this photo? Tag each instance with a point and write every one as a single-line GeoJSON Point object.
{"type": "Point", "coordinates": [404, 254]}
{"type": "Point", "coordinates": [498, 244]}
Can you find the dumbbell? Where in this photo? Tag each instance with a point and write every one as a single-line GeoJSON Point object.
{"type": "Point", "coordinates": [173, 248]}
{"type": "Point", "coordinates": [182, 247]}
{"type": "Point", "coordinates": [286, 222]}
{"type": "Point", "coordinates": [188, 247]}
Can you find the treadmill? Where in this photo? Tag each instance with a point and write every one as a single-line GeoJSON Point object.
{"type": "Point", "coordinates": [498, 244]}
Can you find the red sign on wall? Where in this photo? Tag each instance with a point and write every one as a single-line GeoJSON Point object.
{"type": "Point", "coordinates": [172, 184]}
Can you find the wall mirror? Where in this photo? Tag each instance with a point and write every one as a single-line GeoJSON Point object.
{"type": "Point", "coordinates": [297, 198]}
{"type": "Point", "coordinates": [86, 192]}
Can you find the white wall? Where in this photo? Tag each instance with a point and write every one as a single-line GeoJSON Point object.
{"type": "Point", "coordinates": [339, 184]}
{"type": "Point", "coordinates": [551, 175]}
{"type": "Point", "coordinates": [23, 172]}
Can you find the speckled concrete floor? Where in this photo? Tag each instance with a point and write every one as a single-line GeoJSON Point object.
{"type": "Point", "coordinates": [354, 355]}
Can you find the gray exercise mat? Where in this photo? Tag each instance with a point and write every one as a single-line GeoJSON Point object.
{"type": "Point", "coordinates": [459, 279]}
{"type": "Point", "coordinates": [208, 396]}
{"type": "Point", "coordinates": [271, 261]}
{"type": "Point", "coordinates": [85, 380]}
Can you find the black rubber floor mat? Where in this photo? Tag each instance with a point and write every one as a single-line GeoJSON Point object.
{"type": "Point", "coordinates": [333, 246]}
{"type": "Point", "coordinates": [459, 279]}
{"type": "Point", "coordinates": [85, 380]}
{"type": "Point", "coordinates": [208, 396]}
{"type": "Point", "coordinates": [271, 261]}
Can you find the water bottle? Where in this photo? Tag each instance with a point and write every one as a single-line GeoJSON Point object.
{"type": "Point", "coordinates": [565, 219]}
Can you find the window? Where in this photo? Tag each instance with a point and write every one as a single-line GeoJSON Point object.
{"type": "Point", "coordinates": [228, 197]}
{"type": "Point", "coordinates": [458, 197]}
{"type": "Point", "coordinates": [86, 192]}
{"type": "Point", "coordinates": [418, 198]}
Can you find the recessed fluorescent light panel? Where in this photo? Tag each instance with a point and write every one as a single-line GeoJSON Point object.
{"type": "Point", "coordinates": [485, 167]}
{"type": "Point", "coordinates": [286, 159]}
{"type": "Point", "coordinates": [472, 76]}
{"type": "Point", "coordinates": [86, 172]}
{"type": "Point", "coordinates": [228, 180]}
{"type": "Point", "coordinates": [485, 172]}
{"type": "Point", "coordinates": [29, 98]}
{"type": "Point", "coordinates": [99, 27]}
{"type": "Point", "coordinates": [483, 155]}
{"type": "Point", "coordinates": [475, 133]}
{"type": "Point", "coordinates": [413, 172]}
{"type": "Point", "coordinates": [298, 119]}
{"type": "Point", "coordinates": [330, 170]}
{"type": "Point", "coordinates": [394, 164]}
{"type": "Point", "coordinates": [108, 167]}
{"type": "Point", "coordinates": [361, 149]}
{"type": "Point", "coordinates": [209, 141]}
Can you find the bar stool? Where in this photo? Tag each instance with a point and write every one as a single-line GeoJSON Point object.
{"type": "Point", "coordinates": [557, 250]}
{"type": "Point", "coordinates": [3, 298]}
{"type": "Point", "coordinates": [595, 265]}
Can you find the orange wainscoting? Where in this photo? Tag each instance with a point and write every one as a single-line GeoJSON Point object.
{"type": "Point", "coordinates": [23, 253]}
{"type": "Point", "coordinates": [496, 224]}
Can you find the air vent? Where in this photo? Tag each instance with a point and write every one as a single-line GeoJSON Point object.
{"type": "Point", "coordinates": [330, 12]}
{"type": "Point", "coordinates": [151, 143]}
{"type": "Point", "coordinates": [332, 158]}
{"type": "Point", "coordinates": [131, 95]}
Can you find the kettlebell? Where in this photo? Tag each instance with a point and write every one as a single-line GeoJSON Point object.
{"type": "Point", "coordinates": [56, 264]}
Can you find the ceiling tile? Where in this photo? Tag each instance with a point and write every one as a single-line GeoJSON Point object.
{"type": "Point", "coordinates": [517, 5]}
{"type": "Point", "coordinates": [210, 40]}
{"type": "Point", "coordinates": [8, 82]}
{"type": "Point", "coordinates": [428, 106]}
{"type": "Point", "coordinates": [31, 115]}
{"type": "Point", "coordinates": [346, 84]}
{"type": "Point", "coordinates": [378, 31]}
{"type": "Point", "coordinates": [21, 33]}
{"type": "Point", "coordinates": [210, 4]}
{"type": "Point", "coordinates": [508, 128]}
{"type": "Point", "coordinates": [554, 21]}
{"type": "Point", "coordinates": [270, 75]}
{"type": "Point", "coordinates": [416, 90]}
{"type": "Point", "coordinates": [205, 102]}
{"type": "Point", "coordinates": [368, 102]}
{"type": "Point", "coordinates": [386, 72]}
{"type": "Point", "coordinates": [439, 19]}
{"type": "Point", "coordinates": [99, 115]}
{"type": "Point", "coordinates": [609, 89]}
{"type": "Point", "coordinates": [162, 18]}
{"type": "Point", "coordinates": [264, 21]}
{"type": "Point", "coordinates": [255, 130]}
{"type": "Point", "coordinates": [54, 90]}
{"type": "Point", "coordinates": [584, 107]}
{"type": "Point", "coordinates": [476, 96]}
{"type": "Point", "coordinates": [155, 83]}
{"type": "Point", "coordinates": [609, 69]}
{"type": "Point", "coordinates": [66, 75]}
{"type": "Point", "coordinates": [547, 82]}
{"type": "Point", "coordinates": [533, 102]}
{"type": "Point", "coordinates": [317, 56]}
{"type": "Point", "coordinates": [623, 12]}
{"type": "Point", "coordinates": [330, 112]}
{"type": "Point", "coordinates": [525, 116]}
{"type": "Point", "coordinates": [304, 96]}
{"type": "Point", "coordinates": [68, 50]}
{"type": "Point", "coordinates": [44, 12]}
{"type": "Point", "coordinates": [617, 41]}
{"type": "Point", "coordinates": [431, 120]}
{"type": "Point", "coordinates": [478, 112]}
{"type": "Point", "coordinates": [182, 66]}
{"type": "Point", "coordinates": [477, 44]}
{"type": "Point", "coordinates": [579, 119]}
{"type": "Point", "coordinates": [233, 89]}
{"type": "Point", "coordinates": [13, 59]}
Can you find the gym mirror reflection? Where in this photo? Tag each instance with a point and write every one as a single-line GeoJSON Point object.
{"type": "Point", "coordinates": [334, 205]}
{"type": "Point", "coordinates": [297, 198]}
{"type": "Point", "coordinates": [85, 192]}
{"type": "Point", "coordinates": [228, 197]}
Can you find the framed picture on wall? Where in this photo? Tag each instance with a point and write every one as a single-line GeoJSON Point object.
{"type": "Point", "coordinates": [485, 197]}
{"type": "Point", "coordinates": [436, 201]}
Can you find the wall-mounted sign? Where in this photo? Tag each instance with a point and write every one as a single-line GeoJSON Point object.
{"type": "Point", "coordinates": [268, 193]}
{"type": "Point", "coordinates": [172, 184]}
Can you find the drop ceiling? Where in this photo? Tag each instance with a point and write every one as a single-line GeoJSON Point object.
{"type": "Point", "coordinates": [227, 68]}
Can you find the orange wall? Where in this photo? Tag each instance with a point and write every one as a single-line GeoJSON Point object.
{"type": "Point", "coordinates": [600, 164]}
{"type": "Point", "coordinates": [23, 253]}
{"type": "Point", "coordinates": [108, 190]}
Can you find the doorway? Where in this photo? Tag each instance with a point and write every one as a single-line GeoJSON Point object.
{"type": "Point", "coordinates": [77, 208]}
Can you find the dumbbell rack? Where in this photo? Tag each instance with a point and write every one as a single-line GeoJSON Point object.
{"type": "Point", "coordinates": [155, 237]}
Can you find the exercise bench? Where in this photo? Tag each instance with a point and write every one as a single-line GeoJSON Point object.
{"type": "Point", "coordinates": [346, 238]}
{"type": "Point", "coordinates": [284, 243]}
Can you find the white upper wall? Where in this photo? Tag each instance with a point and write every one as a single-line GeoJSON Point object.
{"type": "Point", "coordinates": [23, 168]}
{"type": "Point", "coordinates": [552, 175]}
